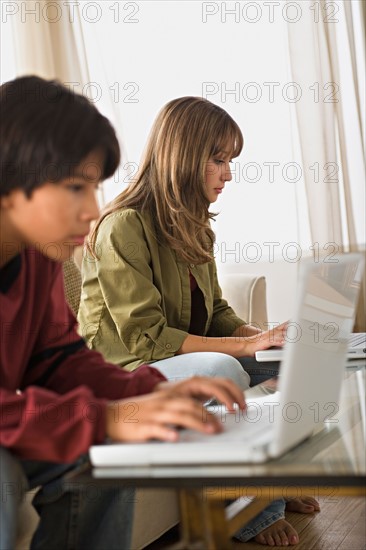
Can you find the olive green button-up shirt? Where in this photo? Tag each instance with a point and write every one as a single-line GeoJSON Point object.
{"type": "Point", "coordinates": [136, 298]}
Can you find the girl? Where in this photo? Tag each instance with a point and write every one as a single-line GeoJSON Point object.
{"type": "Point", "coordinates": [150, 289]}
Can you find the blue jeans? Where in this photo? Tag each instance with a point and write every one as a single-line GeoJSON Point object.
{"type": "Point", "coordinates": [83, 517]}
{"type": "Point", "coordinates": [271, 514]}
{"type": "Point", "coordinates": [207, 363]}
{"type": "Point", "coordinates": [259, 372]}
{"type": "Point", "coordinates": [219, 364]}
{"type": "Point", "coordinates": [203, 363]}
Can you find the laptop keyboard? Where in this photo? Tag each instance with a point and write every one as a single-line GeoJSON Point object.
{"type": "Point", "coordinates": [251, 425]}
{"type": "Point", "coordinates": [357, 339]}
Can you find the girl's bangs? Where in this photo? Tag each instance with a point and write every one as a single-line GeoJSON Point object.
{"type": "Point", "coordinates": [230, 140]}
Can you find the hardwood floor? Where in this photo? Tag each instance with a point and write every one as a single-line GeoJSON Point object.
{"type": "Point", "coordinates": [339, 526]}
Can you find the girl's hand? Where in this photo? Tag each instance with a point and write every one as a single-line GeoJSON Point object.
{"type": "Point", "coordinates": [265, 340]}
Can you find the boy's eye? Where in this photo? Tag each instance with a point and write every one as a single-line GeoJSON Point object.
{"type": "Point", "coordinates": [75, 187]}
{"type": "Point", "coordinates": [79, 187]}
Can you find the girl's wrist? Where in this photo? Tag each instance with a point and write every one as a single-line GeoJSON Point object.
{"type": "Point", "coordinates": [242, 347]}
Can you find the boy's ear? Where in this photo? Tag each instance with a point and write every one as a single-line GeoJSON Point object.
{"type": "Point", "coordinates": [7, 201]}
{"type": "Point", "coordinates": [4, 202]}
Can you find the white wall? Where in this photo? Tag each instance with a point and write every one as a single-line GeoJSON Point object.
{"type": "Point", "coordinates": [141, 54]}
{"type": "Point", "coordinates": [181, 48]}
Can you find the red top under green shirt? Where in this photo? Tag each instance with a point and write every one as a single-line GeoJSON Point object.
{"type": "Point", "coordinates": [53, 389]}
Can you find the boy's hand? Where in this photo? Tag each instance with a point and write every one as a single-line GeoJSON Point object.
{"type": "Point", "coordinates": [204, 388]}
{"type": "Point", "coordinates": [155, 415]}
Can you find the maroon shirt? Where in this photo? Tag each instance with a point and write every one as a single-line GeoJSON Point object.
{"type": "Point", "coordinates": [53, 389]}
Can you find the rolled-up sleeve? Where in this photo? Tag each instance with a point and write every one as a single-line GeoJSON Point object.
{"type": "Point", "coordinates": [125, 275]}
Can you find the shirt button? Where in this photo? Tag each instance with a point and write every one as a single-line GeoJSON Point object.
{"type": "Point", "coordinates": [168, 346]}
{"type": "Point", "coordinates": [192, 266]}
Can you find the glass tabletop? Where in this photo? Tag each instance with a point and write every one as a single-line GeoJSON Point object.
{"type": "Point", "coordinates": [334, 454]}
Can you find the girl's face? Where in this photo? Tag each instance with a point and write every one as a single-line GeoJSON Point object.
{"type": "Point", "coordinates": [218, 172]}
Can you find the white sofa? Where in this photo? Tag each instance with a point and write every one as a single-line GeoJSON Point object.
{"type": "Point", "coordinates": [156, 511]}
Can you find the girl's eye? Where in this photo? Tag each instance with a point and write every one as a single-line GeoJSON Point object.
{"type": "Point", "coordinates": [218, 161]}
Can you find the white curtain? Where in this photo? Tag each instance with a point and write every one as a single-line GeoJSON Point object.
{"type": "Point", "coordinates": [48, 42]}
{"type": "Point", "coordinates": [326, 54]}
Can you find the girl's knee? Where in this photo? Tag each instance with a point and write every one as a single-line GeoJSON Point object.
{"type": "Point", "coordinates": [226, 366]}
{"type": "Point", "coordinates": [211, 364]}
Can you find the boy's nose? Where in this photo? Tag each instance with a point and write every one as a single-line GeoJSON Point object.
{"type": "Point", "coordinates": [91, 208]}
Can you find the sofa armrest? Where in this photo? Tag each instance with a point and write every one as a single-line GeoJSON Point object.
{"type": "Point", "coordinates": [246, 294]}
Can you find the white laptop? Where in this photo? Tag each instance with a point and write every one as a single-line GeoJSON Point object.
{"type": "Point", "coordinates": [356, 349]}
{"type": "Point", "coordinates": [311, 376]}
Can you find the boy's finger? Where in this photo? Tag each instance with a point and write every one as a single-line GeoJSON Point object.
{"type": "Point", "coordinates": [188, 413]}
{"type": "Point", "coordinates": [159, 431]}
{"type": "Point", "coordinates": [224, 390]}
{"type": "Point", "coordinates": [232, 391]}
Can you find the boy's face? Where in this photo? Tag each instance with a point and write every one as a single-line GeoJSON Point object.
{"type": "Point", "coordinates": [56, 218]}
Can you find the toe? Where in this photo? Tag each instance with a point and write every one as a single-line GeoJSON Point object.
{"type": "Point", "coordinates": [260, 539]}
{"type": "Point", "coordinates": [305, 505]}
{"type": "Point", "coordinates": [291, 534]}
{"type": "Point", "coordinates": [307, 508]}
{"type": "Point", "coordinates": [277, 539]}
{"type": "Point", "coordinates": [311, 502]}
{"type": "Point", "coordinates": [284, 539]}
{"type": "Point", "coordinates": [293, 539]}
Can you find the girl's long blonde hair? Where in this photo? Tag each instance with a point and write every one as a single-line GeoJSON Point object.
{"type": "Point", "coordinates": [170, 183]}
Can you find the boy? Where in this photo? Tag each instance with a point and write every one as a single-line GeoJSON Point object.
{"type": "Point", "coordinates": [56, 396]}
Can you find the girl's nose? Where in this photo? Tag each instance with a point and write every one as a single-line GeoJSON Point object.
{"type": "Point", "coordinates": [227, 175]}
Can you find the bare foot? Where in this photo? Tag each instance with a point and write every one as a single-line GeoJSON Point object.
{"type": "Point", "coordinates": [305, 505]}
{"type": "Point", "coordinates": [280, 533]}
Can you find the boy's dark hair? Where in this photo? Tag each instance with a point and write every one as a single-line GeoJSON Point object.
{"type": "Point", "coordinates": [46, 131]}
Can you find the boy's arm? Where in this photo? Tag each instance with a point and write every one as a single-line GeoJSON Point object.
{"type": "Point", "coordinates": [60, 407]}
{"type": "Point", "coordinates": [38, 424]}
{"type": "Point", "coordinates": [61, 361]}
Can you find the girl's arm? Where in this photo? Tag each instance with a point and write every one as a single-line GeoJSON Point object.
{"type": "Point", "coordinates": [121, 313]}
{"type": "Point", "coordinates": [246, 330]}
{"type": "Point", "coordinates": [236, 345]}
